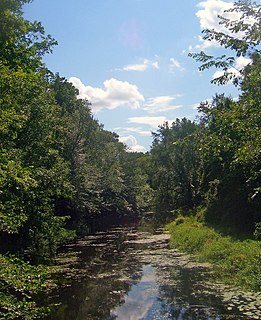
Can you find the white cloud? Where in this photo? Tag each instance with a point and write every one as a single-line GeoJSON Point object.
{"type": "Point", "coordinates": [154, 122]}
{"type": "Point", "coordinates": [155, 65]}
{"type": "Point", "coordinates": [240, 63]}
{"type": "Point", "coordinates": [174, 65]}
{"type": "Point", "coordinates": [115, 94]}
{"type": "Point", "coordinates": [161, 104]}
{"type": "Point", "coordinates": [204, 44]}
{"type": "Point", "coordinates": [137, 130]}
{"type": "Point", "coordinates": [136, 67]}
{"type": "Point", "coordinates": [208, 18]}
{"type": "Point", "coordinates": [132, 144]}
{"type": "Point", "coordinates": [141, 67]}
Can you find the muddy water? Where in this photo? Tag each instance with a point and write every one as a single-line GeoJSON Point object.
{"type": "Point", "coordinates": [126, 274]}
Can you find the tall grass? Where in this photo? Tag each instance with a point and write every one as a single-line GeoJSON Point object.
{"type": "Point", "coordinates": [234, 261]}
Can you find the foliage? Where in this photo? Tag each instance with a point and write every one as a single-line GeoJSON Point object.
{"type": "Point", "coordinates": [189, 235]}
{"type": "Point", "coordinates": [20, 283]}
{"type": "Point", "coordinates": [226, 179]}
{"type": "Point", "coordinates": [138, 192]}
{"type": "Point", "coordinates": [234, 261]}
{"type": "Point", "coordinates": [174, 160]}
{"type": "Point", "coordinates": [32, 172]}
{"type": "Point", "coordinates": [211, 163]}
{"type": "Point", "coordinates": [242, 37]}
{"type": "Point", "coordinates": [216, 166]}
{"type": "Point", "coordinates": [22, 43]}
{"type": "Point", "coordinates": [59, 169]}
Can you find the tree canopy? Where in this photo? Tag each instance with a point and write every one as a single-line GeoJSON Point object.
{"type": "Point", "coordinates": [218, 175]}
{"type": "Point", "coordinates": [60, 171]}
{"type": "Point", "coordinates": [242, 38]}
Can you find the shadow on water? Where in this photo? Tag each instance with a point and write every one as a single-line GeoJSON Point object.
{"type": "Point", "coordinates": [102, 277]}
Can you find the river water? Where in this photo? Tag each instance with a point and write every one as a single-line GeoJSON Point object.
{"type": "Point", "coordinates": [126, 274]}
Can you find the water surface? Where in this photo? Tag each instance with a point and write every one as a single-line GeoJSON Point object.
{"type": "Point", "coordinates": [129, 275]}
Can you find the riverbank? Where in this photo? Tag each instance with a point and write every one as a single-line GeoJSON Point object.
{"type": "Point", "coordinates": [234, 262]}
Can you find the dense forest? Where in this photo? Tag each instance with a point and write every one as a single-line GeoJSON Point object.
{"type": "Point", "coordinates": [211, 166]}
{"type": "Point", "coordinates": [62, 174]}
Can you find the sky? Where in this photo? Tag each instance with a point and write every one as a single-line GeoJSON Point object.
{"type": "Point", "coordinates": [129, 58]}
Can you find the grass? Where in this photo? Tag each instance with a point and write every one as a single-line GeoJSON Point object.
{"type": "Point", "coordinates": [234, 261]}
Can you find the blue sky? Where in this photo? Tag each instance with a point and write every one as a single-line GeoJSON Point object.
{"type": "Point", "coordinates": [129, 58]}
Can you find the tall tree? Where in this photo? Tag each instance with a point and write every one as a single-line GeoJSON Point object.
{"type": "Point", "coordinates": [22, 43]}
{"type": "Point", "coordinates": [235, 131]}
{"type": "Point", "coordinates": [175, 161]}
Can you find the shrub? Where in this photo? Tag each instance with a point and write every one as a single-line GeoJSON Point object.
{"type": "Point", "coordinates": [20, 284]}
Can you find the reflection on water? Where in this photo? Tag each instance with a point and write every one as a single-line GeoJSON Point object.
{"type": "Point", "coordinates": [150, 300]}
{"type": "Point", "coordinates": [103, 277]}
{"type": "Point", "coordinates": [141, 302]}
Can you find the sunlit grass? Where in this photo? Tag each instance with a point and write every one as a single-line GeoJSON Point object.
{"type": "Point", "coordinates": [234, 261]}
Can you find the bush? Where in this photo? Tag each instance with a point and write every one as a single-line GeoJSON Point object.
{"type": "Point", "coordinates": [189, 235]}
{"type": "Point", "coordinates": [20, 284]}
{"type": "Point", "coordinates": [216, 251]}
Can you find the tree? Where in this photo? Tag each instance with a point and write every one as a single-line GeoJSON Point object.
{"type": "Point", "coordinates": [175, 162]}
{"type": "Point", "coordinates": [233, 133]}
{"type": "Point", "coordinates": [242, 37]}
{"type": "Point", "coordinates": [97, 163]}
{"type": "Point", "coordinates": [59, 168]}
{"type": "Point", "coordinates": [137, 190]}
{"type": "Point", "coordinates": [224, 183]}
{"type": "Point", "coordinates": [33, 172]}
{"type": "Point", "coordinates": [22, 43]}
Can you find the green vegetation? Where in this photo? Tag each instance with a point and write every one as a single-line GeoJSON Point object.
{"type": "Point", "coordinates": [234, 261]}
{"type": "Point", "coordinates": [209, 169]}
{"type": "Point", "coordinates": [20, 282]}
{"type": "Point", "coordinates": [61, 172]}
{"type": "Point", "coordinates": [213, 163]}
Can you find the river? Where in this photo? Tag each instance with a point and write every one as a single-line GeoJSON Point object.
{"type": "Point", "coordinates": [126, 274]}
